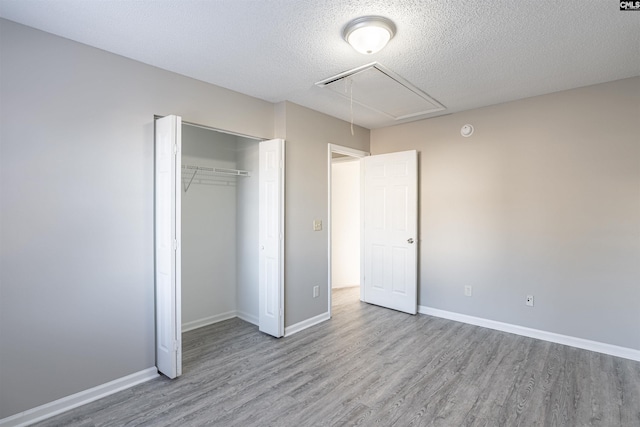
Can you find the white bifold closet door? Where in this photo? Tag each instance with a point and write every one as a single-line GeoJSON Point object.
{"type": "Point", "coordinates": [168, 162]}
{"type": "Point", "coordinates": [167, 245]}
{"type": "Point", "coordinates": [390, 227]}
{"type": "Point", "coordinates": [271, 183]}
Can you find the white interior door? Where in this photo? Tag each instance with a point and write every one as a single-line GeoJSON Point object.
{"type": "Point", "coordinates": [390, 226]}
{"type": "Point", "coordinates": [271, 213]}
{"type": "Point", "coordinates": [167, 234]}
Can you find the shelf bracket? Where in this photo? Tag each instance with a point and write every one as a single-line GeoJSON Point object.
{"type": "Point", "coordinates": [186, 188]}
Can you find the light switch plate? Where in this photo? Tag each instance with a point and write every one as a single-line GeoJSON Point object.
{"type": "Point", "coordinates": [317, 225]}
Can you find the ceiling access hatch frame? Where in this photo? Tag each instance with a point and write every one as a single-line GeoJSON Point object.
{"type": "Point", "coordinates": [379, 89]}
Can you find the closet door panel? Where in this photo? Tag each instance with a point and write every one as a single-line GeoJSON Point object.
{"type": "Point", "coordinates": [167, 246]}
{"type": "Point", "coordinates": [271, 258]}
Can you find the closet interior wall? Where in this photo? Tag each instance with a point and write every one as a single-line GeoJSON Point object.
{"type": "Point", "coordinates": [219, 229]}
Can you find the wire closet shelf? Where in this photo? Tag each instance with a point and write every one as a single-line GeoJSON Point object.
{"type": "Point", "coordinates": [209, 175]}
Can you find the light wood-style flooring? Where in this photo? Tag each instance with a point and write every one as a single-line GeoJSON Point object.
{"type": "Point", "coordinates": [371, 366]}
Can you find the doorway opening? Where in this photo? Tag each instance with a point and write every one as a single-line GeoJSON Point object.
{"type": "Point", "coordinates": [344, 224]}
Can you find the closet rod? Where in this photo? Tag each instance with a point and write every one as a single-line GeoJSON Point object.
{"type": "Point", "coordinates": [217, 171]}
{"type": "Point", "coordinates": [209, 172]}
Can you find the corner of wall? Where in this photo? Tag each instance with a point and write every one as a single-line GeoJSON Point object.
{"type": "Point", "coordinates": [280, 120]}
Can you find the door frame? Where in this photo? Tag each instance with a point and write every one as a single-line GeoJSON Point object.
{"type": "Point", "coordinates": [356, 154]}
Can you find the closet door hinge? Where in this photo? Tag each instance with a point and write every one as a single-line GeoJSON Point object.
{"type": "Point", "coordinates": [175, 345]}
{"type": "Point", "coordinates": [175, 149]}
{"type": "Point", "coordinates": [175, 245]}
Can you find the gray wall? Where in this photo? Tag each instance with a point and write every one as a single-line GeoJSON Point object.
{"type": "Point", "coordinates": [543, 199]}
{"type": "Point", "coordinates": [307, 133]}
{"type": "Point", "coordinates": [76, 194]}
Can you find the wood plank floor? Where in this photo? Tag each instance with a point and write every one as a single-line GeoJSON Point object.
{"type": "Point", "coordinates": [372, 366]}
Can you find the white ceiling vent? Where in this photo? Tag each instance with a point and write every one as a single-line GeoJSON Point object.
{"type": "Point", "coordinates": [378, 89]}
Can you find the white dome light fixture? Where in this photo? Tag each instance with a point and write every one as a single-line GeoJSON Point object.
{"type": "Point", "coordinates": [369, 34]}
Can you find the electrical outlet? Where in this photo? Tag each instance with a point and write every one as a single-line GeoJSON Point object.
{"type": "Point", "coordinates": [317, 225]}
{"type": "Point", "coordinates": [529, 300]}
{"type": "Point", "coordinates": [316, 291]}
{"type": "Point", "coordinates": [468, 290]}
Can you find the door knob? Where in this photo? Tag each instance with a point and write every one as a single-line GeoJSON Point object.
{"type": "Point", "coordinates": [409, 240]}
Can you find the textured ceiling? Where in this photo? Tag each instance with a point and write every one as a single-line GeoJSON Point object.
{"type": "Point", "coordinates": [465, 54]}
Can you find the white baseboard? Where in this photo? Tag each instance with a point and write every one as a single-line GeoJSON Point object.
{"type": "Point", "coordinates": [599, 347]}
{"type": "Point", "coordinates": [247, 317]}
{"type": "Point", "coordinates": [290, 330]}
{"type": "Point", "coordinates": [195, 324]}
{"type": "Point", "coordinates": [59, 406]}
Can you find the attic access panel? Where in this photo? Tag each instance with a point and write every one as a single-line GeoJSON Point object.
{"type": "Point", "coordinates": [379, 89]}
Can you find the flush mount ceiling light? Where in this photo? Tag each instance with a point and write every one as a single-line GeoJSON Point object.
{"type": "Point", "coordinates": [369, 34]}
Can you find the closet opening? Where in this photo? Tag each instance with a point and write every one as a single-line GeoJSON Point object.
{"type": "Point", "coordinates": [219, 233]}
{"type": "Point", "coordinates": [219, 174]}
